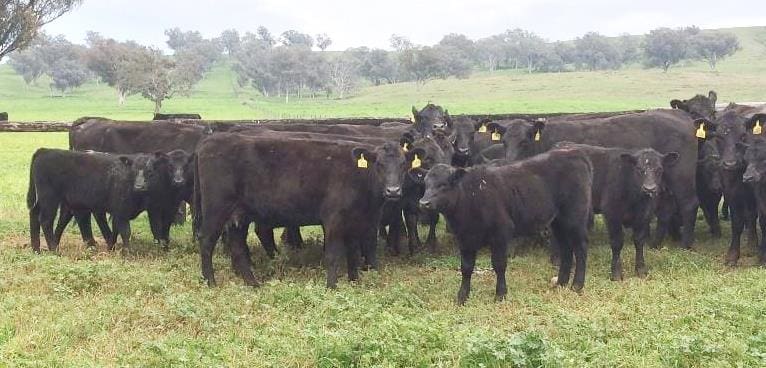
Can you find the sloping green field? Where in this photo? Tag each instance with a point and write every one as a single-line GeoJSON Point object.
{"type": "Point", "coordinates": [739, 78]}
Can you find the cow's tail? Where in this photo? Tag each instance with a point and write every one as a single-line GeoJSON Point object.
{"type": "Point", "coordinates": [196, 199]}
{"type": "Point", "coordinates": [34, 209]}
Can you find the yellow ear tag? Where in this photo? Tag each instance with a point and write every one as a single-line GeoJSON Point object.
{"type": "Point", "coordinates": [537, 136]}
{"type": "Point", "coordinates": [496, 136]}
{"type": "Point", "coordinates": [361, 162]}
{"type": "Point", "coordinates": [412, 118]}
{"type": "Point", "coordinates": [416, 162]}
{"type": "Point", "coordinates": [757, 128]}
{"type": "Point", "coordinates": [406, 147]}
{"type": "Point", "coordinates": [701, 131]}
{"type": "Point", "coordinates": [483, 128]}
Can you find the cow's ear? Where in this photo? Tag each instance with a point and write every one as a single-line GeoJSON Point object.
{"type": "Point", "coordinates": [477, 124]}
{"type": "Point", "coordinates": [414, 114]}
{"type": "Point", "coordinates": [540, 124]}
{"type": "Point", "coordinates": [418, 174]}
{"type": "Point", "coordinates": [421, 153]}
{"type": "Point", "coordinates": [457, 175]}
{"type": "Point", "coordinates": [363, 157]}
{"type": "Point", "coordinates": [407, 137]}
{"type": "Point", "coordinates": [670, 159]}
{"type": "Point", "coordinates": [628, 158]}
{"type": "Point", "coordinates": [713, 97]}
{"type": "Point", "coordinates": [759, 119]}
{"type": "Point", "coordinates": [448, 119]}
{"type": "Point", "coordinates": [495, 127]}
{"type": "Point", "coordinates": [678, 104]}
{"type": "Point", "coordinates": [127, 161]}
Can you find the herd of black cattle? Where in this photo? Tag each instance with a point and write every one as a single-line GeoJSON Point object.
{"type": "Point", "coordinates": [491, 179]}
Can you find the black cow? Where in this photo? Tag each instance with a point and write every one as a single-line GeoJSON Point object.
{"type": "Point", "coordinates": [103, 135]}
{"type": "Point", "coordinates": [699, 106]}
{"type": "Point", "coordinates": [709, 180]}
{"type": "Point", "coordinates": [159, 116]}
{"type": "Point", "coordinates": [488, 205]}
{"type": "Point", "coordinates": [626, 185]}
{"type": "Point", "coordinates": [84, 183]}
{"type": "Point", "coordinates": [340, 185]}
{"type": "Point", "coordinates": [663, 130]}
{"type": "Point", "coordinates": [755, 177]}
{"type": "Point", "coordinates": [431, 151]}
{"type": "Point", "coordinates": [732, 132]}
{"type": "Point", "coordinates": [431, 117]}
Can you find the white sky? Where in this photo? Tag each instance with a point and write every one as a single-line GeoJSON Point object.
{"type": "Point", "coordinates": [353, 23]}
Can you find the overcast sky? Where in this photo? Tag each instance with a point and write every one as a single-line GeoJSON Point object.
{"type": "Point", "coordinates": [353, 23]}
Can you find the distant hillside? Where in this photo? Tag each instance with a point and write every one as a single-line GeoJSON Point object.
{"type": "Point", "coordinates": [738, 78]}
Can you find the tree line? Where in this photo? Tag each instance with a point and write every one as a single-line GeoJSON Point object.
{"type": "Point", "coordinates": [297, 65]}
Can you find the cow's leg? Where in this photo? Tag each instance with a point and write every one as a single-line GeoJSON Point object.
{"type": "Point", "coordinates": [467, 263]}
{"type": "Point", "coordinates": [394, 236]}
{"type": "Point", "coordinates": [179, 215]}
{"type": "Point", "coordinates": [737, 225]}
{"type": "Point", "coordinates": [688, 209]}
{"type": "Point", "coordinates": [664, 215]}
{"type": "Point", "coordinates": [86, 228]}
{"type": "Point", "coordinates": [616, 240]}
{"type": "Point", "coordinates": [724, 210]}
{"type": "Point", "coordinates": [47, 217]}
{"type": "Point", "coordinates": [333, 249]}
{"type": "Point", "coordinates": [122, 227]}
{"type": "Point", "coordinates": [266, 237]}
{"type": "Point", "coordinates": [155, 223]}
{"type": "Point", "coordinates": [710, 212]}
{"type": "Point", "coordinates": [555, 250]}
{"type": "Point", "coordinates": [240, 253]}
{"type": "Point", "coordinates": [352, 246]}
{"type": "Point", "coordinates": [499, 264]}
{"type": "Point", "coordinates": [369, 248]}
{"type": "Point", "coordinates": [291, 236]}
{"type": "Point", "coordinates": [433, 220]}
{"type": "Point", "coordinates": [640, 234]}
{"type": "Point", "coordinates": [411, 222]}
{"type": "Point", "coordinates": [751, 219]}
{"type": "Point", "coordinates": [565, 249]}
{"type": "Point", "coordinates": [167, 221]}
{"type": "Point", "coordinates": [579, 239]}
{"type": "Point", "coordinates": [65, 216]}
{"type": "Point", "coordinates": [106, 232]}
{"type": "Point", "coordinates": [34, 228]}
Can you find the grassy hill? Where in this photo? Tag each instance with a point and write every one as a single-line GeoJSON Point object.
{"type": "Point", "coordinates": [739, 78]}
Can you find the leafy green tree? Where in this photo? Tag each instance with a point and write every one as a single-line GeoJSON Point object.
{"type": "Point", "coordinates": [21, 20]}
{"type": "Point", "coordinates": [715, 46]}
{"type": "Point", "coordinates": [665, 47]}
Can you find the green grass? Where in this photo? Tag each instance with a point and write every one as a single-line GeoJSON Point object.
{"type": "Point", "coordinates": [739, 78]}
{"type": "Point", "coordinates": [150, 308]}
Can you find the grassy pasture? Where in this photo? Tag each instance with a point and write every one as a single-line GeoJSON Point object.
{"type": "Point", "coordinates": [150, 308]}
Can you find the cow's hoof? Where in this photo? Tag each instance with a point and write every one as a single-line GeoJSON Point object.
{"type": "Point", "coordinates": [616, 276]}
{"type": "Point", "coordinates": [642, 272]}
{"type": "Point", "coordinates": [577, 288]}
{"type": "Point", "coordinates": [732, 258]}
{"type": "Point", "coordinates": [554, 282]}
{"type": "Point", "coordinates": [499, 298]}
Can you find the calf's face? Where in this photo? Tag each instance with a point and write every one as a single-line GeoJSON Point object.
{"type": "Point", "coordinates": [519, 138]}
{"type": "Point", "coordinates": [179, 164]}
{"type": "Point", "coordinates": [389, 164]}
{"type": "Point", "coordinates": [648, 167]}
{"type": "Point", "coordinates": [463, 133]}
{"type": "Point", "coordinates": [441, 183]}
{"type": "Point", "coordinates": [149, 171]}
{"type": "Point", "coordinates": [731, 134]}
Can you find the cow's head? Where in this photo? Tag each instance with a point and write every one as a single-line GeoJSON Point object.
{"type": "Point", "coordinates": [180, 167]}
{"type": "Point", "coordinates": [699, 106]}
{"type": "Point", "coordinates": [755, 156]}
{"type": "Point", "coordinates": [463, 132]}
{"type": "Point", "coordinates": [431, 117]}
{"type": "Point", "coordinates": [388, 163]}
{"type": "Point", "coordinates": [520, 138]}
{"type": "Point", "coordinates": [441, 183]}
{"type": "Point", "coordinates": [150, 171]}
{"type": "Point", "coordinates": [709, 163]}
{"type": "Point", "coordinates": [647, 166]}
{"type": "Point", "coordinates": [731, 133]}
